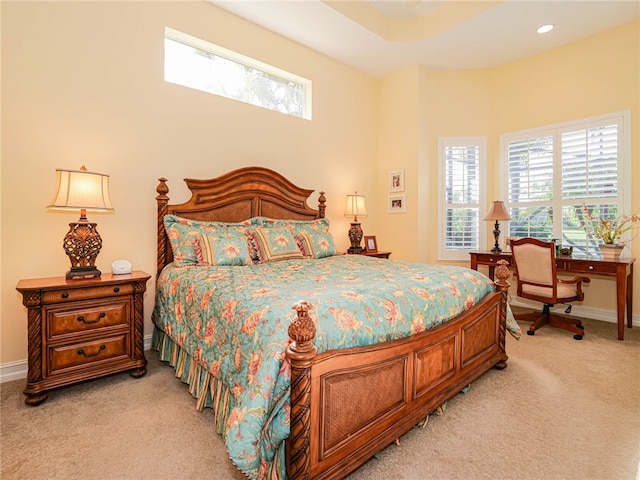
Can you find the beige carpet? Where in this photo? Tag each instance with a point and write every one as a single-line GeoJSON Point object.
{"type": "Point", "coordinates": [563, 409]}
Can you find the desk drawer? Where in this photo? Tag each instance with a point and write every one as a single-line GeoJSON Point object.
{"type": "Point", "coordinates": [490, 259]}
{"type": "Point", "coordinates": [589, 267]}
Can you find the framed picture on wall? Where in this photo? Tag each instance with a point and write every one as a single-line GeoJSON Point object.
{"type": "Point", "coordinates": [397, 203]}
{"type": "Point", "coordinates": [370, 244]}
{"type": "Point", "coordinates": [396, 181]}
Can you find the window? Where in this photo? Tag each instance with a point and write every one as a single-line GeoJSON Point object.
{"type": "Point", "coordinates": [552, 173]}
{"type": "Point", "coordinates": [195, 63]}
{"type": "Point", "coordinates": [462, 196]}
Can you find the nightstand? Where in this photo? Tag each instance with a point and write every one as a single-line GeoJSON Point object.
{"type": "Point", "coordinates": [374, 254]}
{"type": "Point", "coordinates": [82, 329]}
{"type": "Point", "coordinates": [377, 254]}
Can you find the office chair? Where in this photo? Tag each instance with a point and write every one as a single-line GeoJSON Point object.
{"type": "Point", "coordinates": [535, 264]}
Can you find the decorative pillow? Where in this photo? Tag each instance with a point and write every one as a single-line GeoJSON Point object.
{"type": "Point", "coordinates": [226, 247]}
{"type": "Point", "coordinates": [273, 244]}
{"type": "Point", "coordinates": [316, 245]}
{"type": "Point", "coordinates": [182, 234]}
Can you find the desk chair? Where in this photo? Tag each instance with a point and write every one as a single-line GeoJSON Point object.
{"type": "Point", "coordinates": [535, 264]}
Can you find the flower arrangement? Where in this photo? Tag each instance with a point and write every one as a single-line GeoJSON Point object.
{"type": "Point", "coordinates": [607, 229]}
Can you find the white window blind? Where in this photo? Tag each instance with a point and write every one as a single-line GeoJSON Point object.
{"type": "Point", "coordinates": [462, 195]}
{"type": "Point", "coordinates": [552, 173]}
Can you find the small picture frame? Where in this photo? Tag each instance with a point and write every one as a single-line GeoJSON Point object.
{"type": "Point", "coordinates": [397, 203]}
{"type": "Point", "coordinates": [370, 244]}
{"type": "Point", "coordinates": [396, 181]}
{"type": "Point", "coordinates": [507, 243]}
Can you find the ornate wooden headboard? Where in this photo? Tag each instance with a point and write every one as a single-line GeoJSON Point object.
{"type": "Point", "coordinates": [233, 197]}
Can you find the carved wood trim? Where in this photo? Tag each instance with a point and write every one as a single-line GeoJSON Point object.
{"type": "Point", "coordinates": [502, 285]}
{"type": "Point", "coordinates": [300, 354]}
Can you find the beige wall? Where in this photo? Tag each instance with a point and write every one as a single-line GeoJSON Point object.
{"type": "Point", "coordinates": [83, 84]}
{"type": "Point", "coordinates": [594, 76]}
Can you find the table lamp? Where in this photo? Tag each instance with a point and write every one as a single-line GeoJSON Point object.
{"type": "Point", "coordinates": [355, 206]}
{"type": "Point", "coordinates": [497, 212]}
{"type": "Point", "coordinates": [80, 190]}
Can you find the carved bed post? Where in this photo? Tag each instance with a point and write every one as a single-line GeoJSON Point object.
{"type": "Point", "coordinates": [300, 354]}
{"type": "Point", "coordinates": [502, 285]}
{"type": "Point", "coordinates": [162, 199]}
{"type": "Point", "coordinates": [321, 205]}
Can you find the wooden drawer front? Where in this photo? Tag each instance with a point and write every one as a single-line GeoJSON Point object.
{"type": "Point", "coordinates": [587, 267]}
{"type": "Point", "coordinates": [488, 259]}
{"type": "Point", "coordinates": [75, 294]}
{"type": "Point", "coordinates": [62, 358]}
{"type": "Point", "coordinates": [69, 319]}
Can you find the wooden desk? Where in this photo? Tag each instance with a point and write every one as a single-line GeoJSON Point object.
{"type": "Point", "coordinates": [620, 268]}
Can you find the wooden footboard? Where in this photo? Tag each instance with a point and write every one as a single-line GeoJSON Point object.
{"type": "Point", "coordinates": [347, 405]}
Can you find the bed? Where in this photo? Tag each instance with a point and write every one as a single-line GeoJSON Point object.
{"type": "Point", "coordinates": [312, 361]}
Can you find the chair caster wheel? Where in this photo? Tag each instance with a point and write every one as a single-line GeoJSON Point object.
{"type": "Point", "coordinates": [577, 337]}
{"type": "Point", "coordinates": [529, 332]}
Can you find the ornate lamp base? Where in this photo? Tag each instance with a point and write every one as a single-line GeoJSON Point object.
{"type": "Point", "coordinates": [355, 235]}
{"type": "Point", "coordinates": [82, 244]}
{"type": "Point", "coordinates": [496, 234]}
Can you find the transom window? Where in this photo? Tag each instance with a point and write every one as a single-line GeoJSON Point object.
{"type": "Point", "coordinates": [552, 174]}
{"type": "Point", "coordinates": [195, 63]}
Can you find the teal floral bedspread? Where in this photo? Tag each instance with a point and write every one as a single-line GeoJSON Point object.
{"type": "Point", "coordinates": [234, 319]}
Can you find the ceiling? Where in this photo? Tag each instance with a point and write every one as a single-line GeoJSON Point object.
{"type": "Point", "coordinates": [381, 37]}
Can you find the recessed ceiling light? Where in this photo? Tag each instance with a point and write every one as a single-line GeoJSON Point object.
{"type": "Point", "coordinates": [545, 28]}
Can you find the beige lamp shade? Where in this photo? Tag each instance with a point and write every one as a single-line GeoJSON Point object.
{"type": "Point", "coordinates": [80, 189]}
{"type": "Point", "coordinates": [498, 211]}
{"type": "Point", "coordinates": [355, 206]}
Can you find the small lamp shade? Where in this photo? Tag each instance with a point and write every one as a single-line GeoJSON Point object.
{"type": "Point", "coordinates": [355, 206]}
{"type": "Point", "coordinates": [497, 212]}
{"type": "Point", "coordinates": [82, 190]}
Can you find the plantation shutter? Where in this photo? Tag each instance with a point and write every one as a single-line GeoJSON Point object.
{"type": "Point", "coordinates": [553, 173]}
{"type": "Point", "coordinates": [462, 197]}
{"type": "Point", "coordinates": [530, 187]}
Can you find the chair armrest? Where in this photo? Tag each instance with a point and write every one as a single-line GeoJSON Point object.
{"type": "Point", "coordinates": [574, 280]}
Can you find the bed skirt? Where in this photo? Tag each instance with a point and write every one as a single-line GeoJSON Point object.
{"type": "Point", "coordinates": [208, 391]}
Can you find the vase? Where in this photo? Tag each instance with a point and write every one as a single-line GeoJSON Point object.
{"type": "Point", "coordinates": [611, 250]}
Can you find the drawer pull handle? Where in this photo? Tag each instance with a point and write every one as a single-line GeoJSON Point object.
{"type": "Point", "coordinates": [89, 322]}
{"type": "Point", "coordinates": [88, 355]}
{"type": "Point", "coordinates": [590, 267]}
{"type": "Point", "coordinates": [116, 289]}
{"type": "Point", "coordinates": [65, 295]}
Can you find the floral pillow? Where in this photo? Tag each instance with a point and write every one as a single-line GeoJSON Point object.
{"type": "Point", "coordinates": [274, 244]}
{"type": "Point", "coordinates": [319, 241]}
{"type": "Point", "coordinates": [317, 245]}
{"type": "Point", "coordinates": [183, 233]}
{"type": "Point", "coordinates": [228, 246]}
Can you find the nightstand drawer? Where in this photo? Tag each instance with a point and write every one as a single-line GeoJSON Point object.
{"type": "Point", "coordinates": [75, 294]}
{"type": "Point", "coordinates": [63, 358]}
{"type": "Point", "coordinates": [87, 316]}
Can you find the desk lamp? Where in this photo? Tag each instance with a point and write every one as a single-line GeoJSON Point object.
{"type": "Point", "coordinates": [497, 212]}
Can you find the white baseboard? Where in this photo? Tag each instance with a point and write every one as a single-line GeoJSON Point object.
{"type": "Point", "coordinates": [18, 370]}
{"type": "Point", "coordinates": [579, 311]}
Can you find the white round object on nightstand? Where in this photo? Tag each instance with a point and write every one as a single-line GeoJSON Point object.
{"type": "Point", "coordinates": [120, 267]}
